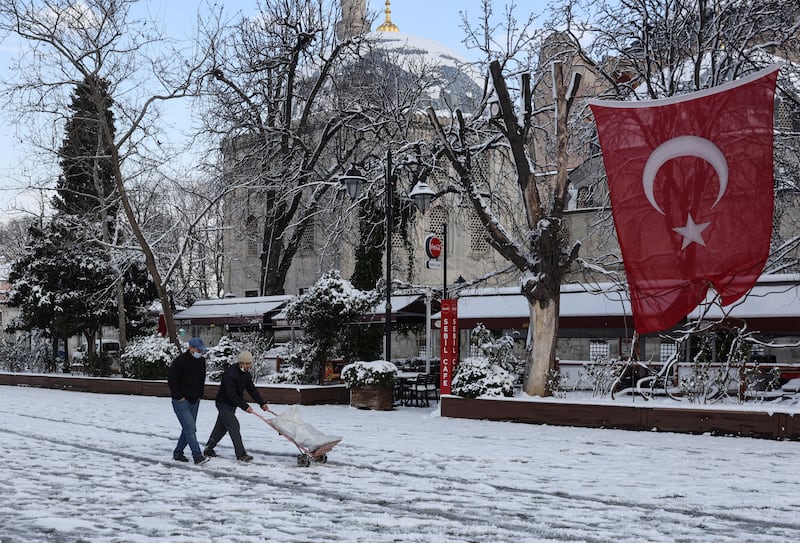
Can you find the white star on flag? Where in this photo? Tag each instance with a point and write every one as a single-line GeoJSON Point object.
{"type": "Point", "coordinates": [692, 232]}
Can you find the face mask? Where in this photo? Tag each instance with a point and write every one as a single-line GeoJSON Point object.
{"type": "Point", "coordinates": [197, 355]}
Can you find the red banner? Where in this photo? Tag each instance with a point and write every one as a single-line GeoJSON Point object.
{"type": "Point", "coordinates": [448, 345]}
{"type": "Point", "coordinates": [691, 186]}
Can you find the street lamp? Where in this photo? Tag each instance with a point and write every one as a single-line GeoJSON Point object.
{"type": "Point", "coordinates": [353, 179]}
{"type": "Point", "coordinates": [422, 195]}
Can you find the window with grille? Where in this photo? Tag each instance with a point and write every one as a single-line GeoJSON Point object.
{"type": "Point", "coordinates": [481, 169]}
{"type": "Point", "coordinates": [478, 242]}
{"type": "Point", "coordinates": [585, 197]}
{"type": "Point", "coordinates": [436, 220]}
{"type": "Point", "coordinates": [599, 349]}
{"type": "Point", "coordinates": [307, 237]}
{"type": "Point", "coordinates": [668, 349]}
{"type": "Point", "coordinates": [251, 233]}
{"type": "Point", "coordinates": [786, 116]}
{"type": "Point", "coordinates": [397, 241]}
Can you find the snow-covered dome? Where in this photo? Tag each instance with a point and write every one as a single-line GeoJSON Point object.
{"type": "Point", "coordinates": [449, 80]}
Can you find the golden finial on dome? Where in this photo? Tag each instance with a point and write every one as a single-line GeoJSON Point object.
{"type": "Point", "coordinates": [388, 25]}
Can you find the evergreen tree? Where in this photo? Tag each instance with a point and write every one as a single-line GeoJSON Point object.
{"type": "Point", "coordinates": [86, 187]}
{"type": "Point", "coordinates": [59, 283]}
{"type": "Point", "coordinates": [68, 281]}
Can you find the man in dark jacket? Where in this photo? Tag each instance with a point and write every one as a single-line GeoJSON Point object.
{"type": "Point", "coordinates": [235, 381]}
{"type": "Point", "coordinates": [187, 379]}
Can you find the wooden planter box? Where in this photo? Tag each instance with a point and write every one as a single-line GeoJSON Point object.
{"type": "Point", "coordinates": [378, 399]}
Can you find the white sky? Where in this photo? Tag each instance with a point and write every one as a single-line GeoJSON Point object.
{"type": "Point", "coordinates": [92, 467]}
{"type": "Point", "coordinates": [438, 20]}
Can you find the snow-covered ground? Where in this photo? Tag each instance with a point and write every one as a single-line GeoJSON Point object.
{"type": "Point", "coordinates": [90, 467]}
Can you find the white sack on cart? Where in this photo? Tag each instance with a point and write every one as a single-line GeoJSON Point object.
{"type": "Point", "coordinates": [290, 424]}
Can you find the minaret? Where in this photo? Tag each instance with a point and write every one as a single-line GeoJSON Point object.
{"type": "Point", "coordinates": [388, 25]}
{"type": "Point", "coordinates": [354, 19]}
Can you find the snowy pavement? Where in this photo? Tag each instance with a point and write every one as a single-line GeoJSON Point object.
{"type": "Point", "coordinates": [98, 468]}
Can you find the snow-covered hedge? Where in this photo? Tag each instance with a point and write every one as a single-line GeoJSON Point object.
{"type": "Point", "coordinates": [148, 357]}
{"type": "Point", "coordinates": [378, 373]}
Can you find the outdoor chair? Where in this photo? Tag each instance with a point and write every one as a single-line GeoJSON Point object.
{"type": "Point", "coordinates": [423, 388]}
{"type": "Point", "coordinates": [401, 392]}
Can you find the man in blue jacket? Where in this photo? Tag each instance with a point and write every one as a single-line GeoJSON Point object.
{"type": "Point", "coordinates": [235, 381]}
{"type": "Point", "coordinates": [187, 380]}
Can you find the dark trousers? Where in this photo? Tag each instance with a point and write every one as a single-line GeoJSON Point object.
{"type": "Point", "coordinates": [227, 423]}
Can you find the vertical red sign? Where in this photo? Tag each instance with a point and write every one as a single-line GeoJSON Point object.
{"type": "Point", "coordinates": [448, 344]}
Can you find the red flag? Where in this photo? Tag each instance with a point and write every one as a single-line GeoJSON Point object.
{"type": "Point", "coordinates": [691, 188]}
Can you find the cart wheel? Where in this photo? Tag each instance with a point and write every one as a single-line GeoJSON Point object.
{"type": "Point", "coordinates": [303, 461]}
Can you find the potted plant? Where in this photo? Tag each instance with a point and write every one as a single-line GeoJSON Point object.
{"type": "Point", "coordinates": [371, 384]}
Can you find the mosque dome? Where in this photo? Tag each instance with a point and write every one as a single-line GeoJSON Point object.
{"type": "Point", "coordinates": [451, 81]}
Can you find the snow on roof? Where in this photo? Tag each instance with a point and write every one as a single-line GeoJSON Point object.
{"type": "Point", "coordinates": [576, 301]}
{"type": "Point", "coordinates": [459, 81]}
{"type": "Point", "coordinates": [407, 44]}
{"type": "Point", "coordinates": [775, 295]}
{"type": "Point", "coordinates": [399, 303]}
{"type": "Point", "coordinates": [232, 307]}
{"type": "Point", "coordinates": [763, 301]}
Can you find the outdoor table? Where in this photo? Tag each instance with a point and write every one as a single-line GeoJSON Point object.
{"type": "Point", "coordinates": [403, 381]}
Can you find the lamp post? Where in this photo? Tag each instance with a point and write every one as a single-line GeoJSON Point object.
{"type": "Point", "coordinates": [449, 331]}
{"type": "Point", "coordinates": [422, 195]}
{"type": "Point", "coordinates": [353, 179]}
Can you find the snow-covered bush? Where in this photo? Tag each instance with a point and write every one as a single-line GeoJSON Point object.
{"type": "Point", "coordinates": [30, 352]}
{"type": "Point", "coordinates": [148, 357]}
{"type": "Point", "coordinates": [293, 370]}
{"type": "Point", "coordinates": [378, 374]}
{"type": "Point", "coordinates": [493, 368]}
{"type": "Point", "coordinates": [324, 311]}
{"type": "Point", "coordinates": [226, 352]}
{"type": "Point", "coordinates": [604, 374]}
{"type": "Point", "coordinates": [222, 355]}
{"type": "Point", "coordinates": [477, 376]}
{"type": "Point", "coordinates": [499, 350]}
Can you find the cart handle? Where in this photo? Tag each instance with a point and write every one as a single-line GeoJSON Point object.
{"type": "Point", "coordinates": [259, 415]}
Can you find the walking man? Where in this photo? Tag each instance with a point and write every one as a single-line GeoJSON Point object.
{"type": "Point", "coordinates": [235, 381]}
{"type": "Point", "coordinates": [187, 379]}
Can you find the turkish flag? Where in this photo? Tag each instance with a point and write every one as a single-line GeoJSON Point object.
{"type": "Point", "coordinates": [691, 187]}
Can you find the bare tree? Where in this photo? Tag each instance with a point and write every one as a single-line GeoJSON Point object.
{"type": "Point", "coordinates": [529, 148]}
{"type": "Point", "coordinates": [100, 40]}
{"type": "Point", "coordinates": [270, 100]}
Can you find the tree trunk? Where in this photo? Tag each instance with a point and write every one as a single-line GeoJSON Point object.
{"type": "Point", "coordinates": [90, 347]}
{"type": "Point", "coordinates": [542, 354]}
{"type": "Point", "coordinates": [121, 317]}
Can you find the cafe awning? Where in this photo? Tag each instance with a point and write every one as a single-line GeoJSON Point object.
{"type": "Point", "coordinates": [254, 310]}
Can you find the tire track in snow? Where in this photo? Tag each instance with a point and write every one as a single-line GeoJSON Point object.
{"type": "Point", "coordinates": [689, 517]}
{"type": "Point", "coordinates": [359, 504]}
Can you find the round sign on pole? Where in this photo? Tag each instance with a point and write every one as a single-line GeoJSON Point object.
{"type": "Point", "coordinates": [433, 246]}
